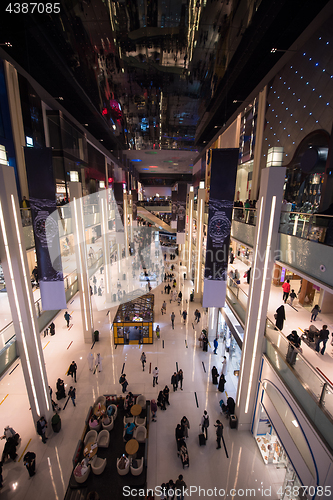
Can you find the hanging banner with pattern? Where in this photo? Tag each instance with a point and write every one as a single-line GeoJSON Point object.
{"type": "Point", "coordinates": [223, 170]}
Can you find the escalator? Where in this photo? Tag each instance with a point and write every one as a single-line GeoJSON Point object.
{"type": "Point", "coordinates": [155, 221]}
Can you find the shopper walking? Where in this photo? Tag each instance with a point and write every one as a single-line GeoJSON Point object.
{"type": "Point", "coordinates": [123, 382]}
{"type": "Point", "coordinates": [67, 317]}
{"type": "Point", "coordinates": [222, 383]}
{"type": "Point", "coordinates": [205, 424]}
{"type": "Point", "coordinates": [219, 433]}
{"type": "Point", "coordinates": [224, 366]}
{"type": "Point", "coordinates": [72, 395]}
{"type": "Point", "coordinates": [180, 377]}
{"type": "Point", "coordinates": [292, 297]}
{"type": "Point", "coordinates": [216, 345]}
{"type": "Point", "coordinates": [72, 370]}
{"type": "Point", "coordinates": [286, 291]}
{"type": "Point", "coordinates": [41, 429]}
{"type": "Point", "coordinates": [174, 381]}
{"type": "Point", "coordinates": [180, 487]}
{"type": "Point", "coordinates": [155, 376]}
{"type": "Point", "coordinates": [143, 360]}
{"type": "Point", "coordinates": [163, 308]}
{"type": "Point", "coordinates": [173, 320]}
{"type": "Point", "coordinates": [166, 392]}
{"type": "Point", "coordinates": [99, 362]}
{"type": "Point", "coordinates": [184, 314]}
{"type": "Point", "coordinates": [185, 425]}
{"type": "Point", "coordinates": [153, 409]}
{"type": "Point", "coordinates": [215, 374]}
{"type": "Point", "coordinates": [90, 359]}
{"type": "Point", "coordinates": [314, 313]}
{"type": "Point", "coordinates": [294, 342]}
{"type": "Point", "coordinates": [279, 317]}
{"type": "Point", "coordinates": [29, 460]}
{"type": "Point", "coordinates": [322, 337]}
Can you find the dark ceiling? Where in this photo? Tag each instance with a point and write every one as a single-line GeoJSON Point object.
{"type": "Point", "coordinates": [155, 74]}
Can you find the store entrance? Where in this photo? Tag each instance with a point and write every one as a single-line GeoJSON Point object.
{"type": "Point", "coordinates": [274, 455]}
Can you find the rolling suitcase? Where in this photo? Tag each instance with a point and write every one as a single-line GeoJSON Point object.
{"type": "Point", "coordinates": [202, 440]}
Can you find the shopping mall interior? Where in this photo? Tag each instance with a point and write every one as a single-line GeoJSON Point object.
{"type": "Point", "coordinates": [166, 214]}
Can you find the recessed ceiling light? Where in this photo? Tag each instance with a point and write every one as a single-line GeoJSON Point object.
{"type": "Point", "coordinates": [175, 164]}
{"type": "Point", "coordinates": [136, 159]}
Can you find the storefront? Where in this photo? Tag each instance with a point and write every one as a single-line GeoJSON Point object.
{"type": "Point", "coordinates": [133, 322]}
{"type": "Point", "coordinates": [274, 455]}
{"type": "Point", "coordinates": [231, 333]}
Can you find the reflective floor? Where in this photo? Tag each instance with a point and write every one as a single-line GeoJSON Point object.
{"type": "Point", "coordinates": [209, 467]}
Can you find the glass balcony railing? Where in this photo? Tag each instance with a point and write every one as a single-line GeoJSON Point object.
{"type": "Point", "coordinates": [237, 299]}
{"type": "Point", "coordinates": [310, 388]}
{"type": "Point", "coordinates": [245, 215]}
{"type": "Point", "coordinates": [314, 227]}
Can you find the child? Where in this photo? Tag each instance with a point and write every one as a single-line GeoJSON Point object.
{"type": "Point", "coordinates": [292, 297]}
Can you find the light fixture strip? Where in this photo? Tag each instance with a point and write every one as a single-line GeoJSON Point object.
{"type": "Point", "coordinates": [190, 238]}
{"type": "Point", "coordinates": [262, 294]}
{"type": "Point", "coordinates": [29, 302]}
{"type": "Point", "coordinates": [106, 246]}
{"type": "Point", "coordinates": [80, 261]}
{"type": "Point", "coordinates": [250, 302]}
{"type": "Point", "coordinates": [18, 309]}
{"type": "Point", "coordinates": [199, 246]}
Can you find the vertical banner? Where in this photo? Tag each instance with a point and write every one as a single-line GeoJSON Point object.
{"type": "Point", "coordinates": [181, 207]}
{"type": "Point", "coordinates": [119, 197]}
{"type": "Point", "coordinates": [45, 224]}
{"type": "Point", "coordinates": [223, 163]}
{"type": "Point", "coordinates": [134, 194]}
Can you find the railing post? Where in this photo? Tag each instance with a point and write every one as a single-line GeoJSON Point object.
{"type": "Point", "coordinates": [322, 395]}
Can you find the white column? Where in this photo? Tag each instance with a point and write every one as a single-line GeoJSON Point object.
{"type": "Point", "coordinates": [103, 208]}
{"type": "Point", "coordinates": [213, 316]}
{"type": "Point", "coordinates": [268, 218]}
{"type": "Point", "coordinates": [198, 280]}
{"type": "Point", "coordinates": [15, 110]}
{"type": "Point", "coordinates": [16, 272]}
{"type": "Point", "coordinates": [190, 232]}
{"type": "Point", "coordinates": [81, 260]}
{"type": "Point", "coordinates": [125, 223]}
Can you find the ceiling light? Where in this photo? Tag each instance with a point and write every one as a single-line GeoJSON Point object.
{"type": "Point", "coordinates": [145, 169]}
{"type": "Point", "coordinates": [175, 164]}
{"type": "Point", "coordinates": [136, 159]}
{"type": "Point", "coordinates": [295, 423]}
{"type": "Point", "coordinates": [153, 166]}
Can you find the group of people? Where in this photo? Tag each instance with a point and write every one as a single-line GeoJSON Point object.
{"type": "Point", "coordinates": [177, 378]}
{"type": "Point", "coordinates": [173, 490]}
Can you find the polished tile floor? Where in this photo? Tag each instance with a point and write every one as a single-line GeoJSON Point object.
{"type": "Point", "coordinates": [209, 468]}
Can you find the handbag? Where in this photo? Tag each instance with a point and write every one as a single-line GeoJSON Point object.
{"type": "Point", "coordinates": [275, 316]}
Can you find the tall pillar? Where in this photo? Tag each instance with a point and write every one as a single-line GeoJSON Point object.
{"type": "Point", "coordinates": [81, 260]}
{"type": "Point", "coordinates": [269, 209]}
{"type": "Point", "coordinates": [213, 316]}
{"type": "Point", "coordinates": [103, 209]}
{"type": "Point", "coordinates": [15, 109]}
{"type": "Point", "coordinates": [190, 232]}
{"type": "Point", "coordinates": [198, 280]}
{"type": "Point", "coordinates": [16, 272]}
{"type": "Point", "coordinates": [125, 204]}
{"type": "Point", "coordinates": [259, 142]}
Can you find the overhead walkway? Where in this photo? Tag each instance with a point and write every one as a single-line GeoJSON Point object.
{"type": "Point", "coordinates": [155, 221]}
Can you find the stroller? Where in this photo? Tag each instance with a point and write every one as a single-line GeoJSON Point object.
{"type": "Point", "coordinates": [309, 336]}
{"type": "Point", "coordinates": [183, 454]}
{"type": "Point", "coordinates": [229, 408]}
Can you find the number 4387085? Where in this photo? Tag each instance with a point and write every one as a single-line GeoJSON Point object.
{"type": "Point", "coordinates": [33, 8]}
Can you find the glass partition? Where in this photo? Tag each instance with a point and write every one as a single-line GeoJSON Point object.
{"type": "Point", "coordinates": [310, 389]}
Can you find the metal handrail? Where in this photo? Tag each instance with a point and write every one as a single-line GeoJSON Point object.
{"type": "Point", "coordinates": [299, 353]}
